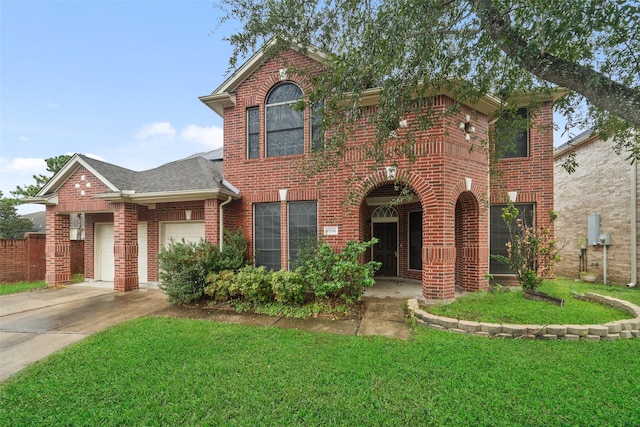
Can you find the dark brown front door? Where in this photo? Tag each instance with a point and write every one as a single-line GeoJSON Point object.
{"type": "Point", "coordinates": [386, 250]}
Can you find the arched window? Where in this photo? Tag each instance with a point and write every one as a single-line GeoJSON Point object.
{"type": "Point", "coordinates": [284, 124]}
{"type": "Point", "coordinates": [384, 214]}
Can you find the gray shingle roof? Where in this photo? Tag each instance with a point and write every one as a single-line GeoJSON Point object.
{"type": "Point", "coordinates": [196, 172]}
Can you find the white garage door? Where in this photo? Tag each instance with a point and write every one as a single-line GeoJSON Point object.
{"type": "Point", "coordinates": [104, 260]}
{"type": "Point", "coordinates": [191, 231]}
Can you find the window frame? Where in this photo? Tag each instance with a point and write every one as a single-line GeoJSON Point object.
{"type": "Point", "coordinates": [278, 238]}
{"type": "Point", "coordinates": [409, 240]}
{"type": "Point", "coordinates": [499, 247]}
{"type": "Point", "coordinates": [255, 109]}
{"type": "Point", "coordinates": [292, 257]}
{"type": "Point", "coordinates": [518, 139]}
{"type": "Point", "coordinates": [316, 133]}
{"type": "Point", "coordinates": [290, 103]}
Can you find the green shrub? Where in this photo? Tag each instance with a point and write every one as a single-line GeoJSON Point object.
{"type": "Point", "coordinates": [219, 285]}
{"type": "Point", "coordinates": [531, 252]}
{"type": "Point", "coordinates": [316, 269]}
{"type": "Point", "coordinates": [288, 287]}
{"type": "Point", "coordinates": [234, 253]}
{"type": "Point", "coordinates": [253, 284]}
{"type": "Point", "coordinates": [338, 275]}
{"type": "Point", "coordinates": [184, 267]}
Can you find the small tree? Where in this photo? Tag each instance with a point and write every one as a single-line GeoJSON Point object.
{"type": "Point", "coordinates": [12, 226]}
{"type": "Point", "coordinates": [531, 252]}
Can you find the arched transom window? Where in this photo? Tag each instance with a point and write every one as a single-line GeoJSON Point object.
{"type": "Point", "coordinates": [384, 214]}
{"type": "Point", "coordinates": [284, 124]}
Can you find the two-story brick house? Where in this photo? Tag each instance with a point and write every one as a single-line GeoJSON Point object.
{"type": "Point", "coordinates": [439, 235]}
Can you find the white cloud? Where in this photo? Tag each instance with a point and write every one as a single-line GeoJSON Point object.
{"type": "Point", "coordinates": [157, 129]}
{"type": "Point", "coordinates": [211, 136]}
{"type": "Point", "coordinates": [95, 156]}
{"type": "Point", "coordinates": [19, 171]}
{"type": "Point", "coordinates": [26, 164]}
{"type": "Point", "coordinates": [52, 104]}
{"type": "Point", "coordinates": [24, 139]}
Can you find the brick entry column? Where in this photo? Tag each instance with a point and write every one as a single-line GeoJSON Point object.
{"type": "Point", "coordinates": [438, 272]}
{"type": "Point", "coordinates": [58, 248]}
{"type": "Point", "coordinates": [125, 247]}
{"type": "Point", "coordinates": [212, 221]}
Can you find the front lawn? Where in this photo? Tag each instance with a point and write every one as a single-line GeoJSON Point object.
{"type": "Point", "coordinates": [509, 306]}
{"type": "Point", "coordinates": [159, 371]}
{"type": "Point", "coordinates": [14, 288]}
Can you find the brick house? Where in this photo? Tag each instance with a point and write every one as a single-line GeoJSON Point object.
{"type": "Point", "coordinates": [605, 187]}
{"type": "Point", "coordinates": [438, 236]}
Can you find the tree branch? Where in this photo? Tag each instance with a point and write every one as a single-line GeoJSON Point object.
{"type": "Point", "coordinates": [597, 88]}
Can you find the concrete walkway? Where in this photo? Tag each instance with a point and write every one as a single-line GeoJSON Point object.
{"type": "Point", "coordinates": [37, 323]}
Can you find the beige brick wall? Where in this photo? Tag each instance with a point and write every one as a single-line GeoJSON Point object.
{"type": "Point", "coordinates": [600, 185]}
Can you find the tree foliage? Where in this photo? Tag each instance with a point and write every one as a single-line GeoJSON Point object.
{"type": "Point", "coordinates": [12, 226]}
{"type": "Point", "coordinates": [54, 164]}
{"type": "Point", "coordinates": [469, 47]}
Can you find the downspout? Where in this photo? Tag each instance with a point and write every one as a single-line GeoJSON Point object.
{"type": "Point", "coordinates": [221, 216]}
{"type": "Point", "coordinates": [634, 224]}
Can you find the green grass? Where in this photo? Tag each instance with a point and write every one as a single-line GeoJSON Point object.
{"type": "Point", "coordinates": [511, 307]}
{"type": "Point", "coordinates": [158, 371]}
{"type": "Point", "coordinates": [14, 288]}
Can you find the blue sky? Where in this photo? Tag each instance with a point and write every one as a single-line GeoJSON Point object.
{"type": "Point", "coordinates": [117, 80]}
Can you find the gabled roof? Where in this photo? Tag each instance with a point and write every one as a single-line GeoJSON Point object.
{"type": "Point", "coordinates": [196, 177]}
{"type": "Point", "coordinates": [224, 95]}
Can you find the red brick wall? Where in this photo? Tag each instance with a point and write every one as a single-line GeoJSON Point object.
{"type": "Point", "coordinates": [532, 176]}
{"type": "Point", "coordinates": [444, 160]}
{"type": "Point", "coordinates": [125, 247]}
{"type": "Point", "coordinates": [13, 260]}
{"type": "Point", "coordinates": [70, 198]}
{"type": "Point", "coordinates": [25, 259]}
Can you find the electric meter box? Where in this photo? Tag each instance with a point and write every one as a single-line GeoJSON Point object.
{"type": "Point", "coordinates": [593, 229]}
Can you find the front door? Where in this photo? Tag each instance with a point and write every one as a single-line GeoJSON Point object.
{"type": "Point", "coordinates": [386, 250]}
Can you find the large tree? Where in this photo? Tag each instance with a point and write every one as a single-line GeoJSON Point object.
{"type": "Point", "coordinates": [54, 164]}
{"type": "Point", "coordinates": [508, 48]}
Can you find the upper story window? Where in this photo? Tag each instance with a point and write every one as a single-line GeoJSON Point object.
{"type": "Point", "coordinates": [253, 132]}
{"type": "Point", "coordinates": [317, 134]}
{"type": "Point", "coordinates": [284, 123]}
{"type": "Point", "coordinates": [512, 135]}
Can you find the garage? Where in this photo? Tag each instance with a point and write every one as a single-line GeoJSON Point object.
{"type": "Point", "coordinates": [104, 260]}
{"type": "Point", "coordinates": [191, 232]}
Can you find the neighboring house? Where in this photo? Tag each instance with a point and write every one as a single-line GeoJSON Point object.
{"type": "Point", "coordinates": [604, 187]}
{"type": "Point", "coordinates": [40, 224]}
{"type": "Point", "coordinates": [439, 235]}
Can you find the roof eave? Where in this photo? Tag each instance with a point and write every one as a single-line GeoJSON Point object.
{"type": "Point", "coordinates": [574, 144]}
{"type": "Point", "coordinates": [218, 102]}
{"type": "Point", "coordinates": [51, 200]}
{"type": "Point", "coordinates": [486, 104]}
{"type": "Point", "coordinates": [166, 196]}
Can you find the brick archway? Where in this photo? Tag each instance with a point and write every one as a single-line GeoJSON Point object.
{"type": "Point", "coordinates": [471, 261]}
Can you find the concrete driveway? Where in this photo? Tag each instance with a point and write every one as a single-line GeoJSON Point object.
{"type": "Point", "coordinates": [38, 323]}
